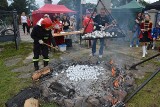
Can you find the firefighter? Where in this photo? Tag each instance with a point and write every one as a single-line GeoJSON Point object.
{"type": "Point", "coordinates": [42, 34]}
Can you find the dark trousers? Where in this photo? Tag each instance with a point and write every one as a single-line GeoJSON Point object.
{"type": "Point", "coordinates": [24, 25]}
{"type": "Point", "coordinates": [28, 29]}
{"type": "Point", "coordinates": [40, 50]}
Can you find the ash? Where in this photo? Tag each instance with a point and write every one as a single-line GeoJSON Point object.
{"type": "Point", "coordinates": [86, 83]}
{"type": "Point", "coordinates": [85, 79]}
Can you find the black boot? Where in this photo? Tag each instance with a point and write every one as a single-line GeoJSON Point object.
{"type": "Point", "coordinates": [36, 67]}
{"type": "Point", "coordinates": [45, 63]}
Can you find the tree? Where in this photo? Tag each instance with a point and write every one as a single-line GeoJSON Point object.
{"type": "Point", "coordinates": [3, 4]}
{"type": "Point", "coordinates": [117, 3]}
{"type": "Point", "coordinates": [31, 5]}
{"type": "Point", "coordinates": [90, 5]}
{"type": "Point", "coordinates": [19, 6]}
{"type": "Point", "coordinates": [144, 3]}
{"type": "Point", "coordinates": [68, 3]}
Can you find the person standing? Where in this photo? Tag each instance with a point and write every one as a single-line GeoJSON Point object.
{"type": "Point", "coordinates": [137, 30]}
{"type": "Point", "coordinates": [100, 20]}
{"type": "Point", "coordinates": [57, 27]}
{"type": "Point", "coordinates": [155, 34]}
{"type": "Point", "coordinates": [42, 34]}
{"type": "Point", "coordinates": [29, 24]}
{"type": "Point", "coordinates": [24, 21]}
{"type": "Point", "coordinates": [88, 25]}
{"type": "Point", "coordinates": [65, 23]}
{"type": "Point", "coordinates": [145, 34]}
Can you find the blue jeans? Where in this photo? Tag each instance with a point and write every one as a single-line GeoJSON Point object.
{"type": "Point", "coordinates": [101, 46]}
{"type": "Point", "coordinates": [135, 37]}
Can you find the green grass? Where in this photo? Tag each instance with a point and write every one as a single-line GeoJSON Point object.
{"type": "Point", "coordinates": [149, 96]}
{"type": "Point", "coordinates": [10, 84]}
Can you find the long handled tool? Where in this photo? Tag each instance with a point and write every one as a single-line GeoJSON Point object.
{"type": "Point", "coordinates": [133, 67]}
{"type": "Point", "coordinates": [122, 104]}
{"type": "Point", "coordinates": [57, 49]}
{"type": "Point", "coordinates": [51, 46]}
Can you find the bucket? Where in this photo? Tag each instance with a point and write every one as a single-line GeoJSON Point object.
{"type": "Point", "coordinates": [68, 42]}
{"type": "Point", "coordinates": [62, 47]}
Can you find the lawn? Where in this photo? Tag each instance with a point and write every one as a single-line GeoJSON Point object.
{"type": "Point", "coordinates": [10, 85]}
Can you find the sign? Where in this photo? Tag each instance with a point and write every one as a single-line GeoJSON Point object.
{"type": "Point", "coordinates": [83, 1]}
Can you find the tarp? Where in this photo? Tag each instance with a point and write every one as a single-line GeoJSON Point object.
{"type": "Point", "coordinates": [131, 6]}
{"type": "Point", "coordinates": [50, 9]}
{"type": "Point", "coordinates": [155, 5]}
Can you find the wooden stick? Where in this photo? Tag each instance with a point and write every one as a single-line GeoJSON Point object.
{"type": "Point", "coordinates": [54, 48]}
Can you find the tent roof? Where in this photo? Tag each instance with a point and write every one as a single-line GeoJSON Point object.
{"type": "Point", "coordinates": [131, 5]}
{"type": "Point", "coordinates": [155, 5]}
{"type": "Point", "coordinates": [51, 8]}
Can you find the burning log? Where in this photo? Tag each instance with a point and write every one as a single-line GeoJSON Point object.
{"type": "Point", "coordinates": [113, 72]}
{"type": "Point", "coordinates": [116, 84]}
{"type": "Point", "coordinates": [39, 73]}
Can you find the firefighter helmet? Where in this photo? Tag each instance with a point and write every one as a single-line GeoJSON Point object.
{"type": "Point", "coordinates": [46, 23]}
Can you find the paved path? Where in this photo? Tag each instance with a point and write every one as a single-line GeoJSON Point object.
{"type": "Point", "coordinates": [25, 37]}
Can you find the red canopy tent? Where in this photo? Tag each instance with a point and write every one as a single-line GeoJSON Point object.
{"type": "Point", "coordinates": [49, 9]}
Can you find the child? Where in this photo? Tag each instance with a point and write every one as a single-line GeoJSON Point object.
{"type": "Point", "coordinates": [155, 33]}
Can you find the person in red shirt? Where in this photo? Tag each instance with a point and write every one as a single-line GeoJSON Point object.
{"type": "Point", "coordinates": [88, 25]}
{"type": "Point", "coordinates": [29, 24]}
{"type": "Point", "coordinates": [57, 27]}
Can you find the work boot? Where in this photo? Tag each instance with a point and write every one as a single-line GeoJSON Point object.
{"type": "Point", "coordinates": [45, 63]}
{"type": "Point", "coordinates": [36, 68]}
{"type": "Point", "coordinates": [36, 65]}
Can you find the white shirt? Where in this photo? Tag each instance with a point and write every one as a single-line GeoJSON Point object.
{"type": "Point", "coordinates": [39, 22]}
{"type": "Point", "coordinates": [23, 19]}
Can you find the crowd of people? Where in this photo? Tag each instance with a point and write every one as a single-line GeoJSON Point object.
{"type": "Point", "coordinates": [145, 33]}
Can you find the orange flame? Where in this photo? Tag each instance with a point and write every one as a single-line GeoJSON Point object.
{"type": "Point", "coordinates": [114, 101]}
{"type": "Point", "coordinates": [116, 83]}
{"type": "Point", "coordinates": [113, 72]}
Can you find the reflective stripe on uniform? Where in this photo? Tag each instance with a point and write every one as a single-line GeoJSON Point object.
{"type": "Point", "coordinates": [45, 37]}
{"type": "Point", "coordinates": [35, 59]}
{"type": "Point", "coordinates": [46, 59]}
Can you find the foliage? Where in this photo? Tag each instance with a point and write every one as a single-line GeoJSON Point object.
{"type": "Point", "coordinates": [67, 3]}
{"type": "Point", "coordinates": [144, 3]}
{"type": "Point", "coordinates": [117, 3]}
{"type": "Point", "coordinates": [31, 4]}
{"type": "Point", "coordinates": [3, 4]}
{"type": "Point", "coordinates": [19, 6]}
{"type": "Point", "coordinates": [90, 5]}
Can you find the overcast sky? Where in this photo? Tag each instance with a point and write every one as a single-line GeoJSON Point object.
{"type": "Point", "coordinates": [41, 3]}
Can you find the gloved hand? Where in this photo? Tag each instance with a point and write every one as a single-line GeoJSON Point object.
{"type": "Point", "coordinates": [56, 47]}
{"type": "Point", "coordinates": [40, 41]}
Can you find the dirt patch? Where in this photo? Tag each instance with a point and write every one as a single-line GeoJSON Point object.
{"type": "Point", "coordinates": [12, 61]}
{"type": "Point", "coordinates": [26, 68]}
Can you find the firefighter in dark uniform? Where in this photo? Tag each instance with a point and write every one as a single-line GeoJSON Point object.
{"type": "Point", "coordinates": [42, 34]}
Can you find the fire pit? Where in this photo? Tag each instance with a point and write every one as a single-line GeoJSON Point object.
{"type": "Point", "coordinates": [86, 83]}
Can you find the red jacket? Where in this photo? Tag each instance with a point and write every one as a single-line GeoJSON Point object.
{"type": "Point", "coordinates": [57, 24]}
{"type": "Point", "coordinates": [90, 26]}
{"type": "Point", "coordinates": [146, 26]}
